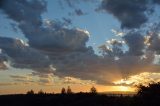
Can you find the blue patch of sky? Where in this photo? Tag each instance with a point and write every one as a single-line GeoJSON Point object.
{"type": "Point", "coordinates": [6, 29]}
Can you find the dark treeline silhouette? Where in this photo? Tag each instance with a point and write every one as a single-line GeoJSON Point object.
{"type": "Point", "coordinates": [69, 91]}
{"type": "Point", "coordinates": [146, 96]}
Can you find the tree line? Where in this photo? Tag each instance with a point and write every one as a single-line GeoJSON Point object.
{"type": "Point", "coordinates": [93, 90]}
{"type": "Point", "coordinates": [148, 95]}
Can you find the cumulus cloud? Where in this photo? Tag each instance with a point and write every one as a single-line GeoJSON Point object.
{"type": "Point", "coordinates": [54, 48]}
{"type": "Point", "coordinates": [118, 33]}
{"type": "Point", "coordinates": [154, 38]}
{"type": "Point", "coordinates": [131, 13]}
{"type": "Point", "coordinates": [135, 42]}
{"type": "Point", "coordinates": [31, 24]}
{"type": "Point", "coordinates": [22, 56]}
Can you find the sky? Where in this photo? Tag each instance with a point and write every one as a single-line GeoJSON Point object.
{"type": "Point", "coordinates": [49, 44]}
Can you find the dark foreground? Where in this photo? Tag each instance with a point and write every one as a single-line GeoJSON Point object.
{"type": "Point", "coordinates": [77, 100]}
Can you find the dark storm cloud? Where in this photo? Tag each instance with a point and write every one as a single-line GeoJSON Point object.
{"type": "Point", "coordinates": [131, 13]}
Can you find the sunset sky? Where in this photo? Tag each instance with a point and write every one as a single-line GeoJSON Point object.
{"type": "Point", "coordinates": [113, 45]}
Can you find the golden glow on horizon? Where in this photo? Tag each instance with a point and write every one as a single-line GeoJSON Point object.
{"type": "Point", "coordinates": [123, 81]}
{"type": "Point", "coordinates": [77, 85]}
{"type": "Point", "coordinates": [124, 88]}
{"type": "Point", "coordinates": [141, 78]}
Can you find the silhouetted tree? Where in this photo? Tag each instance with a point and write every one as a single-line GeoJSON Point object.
{"type": "Point", "coordinates": [69, 91]}
{"type": "Point", "coordinates": [93, 90]}
{"type": "Point", "coordinates": [63, 91]}
{"type": "Point", "coordinates": [41, 92]}
{"type": "Point", "coordinates": [31, 92]}
{"type": "Point", "coordinates": [152, 90]}
{"type": "Point", "coordinates": [149, 95]}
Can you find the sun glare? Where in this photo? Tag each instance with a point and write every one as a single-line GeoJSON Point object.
{"type": "Point", "coordinates": [124, 88]}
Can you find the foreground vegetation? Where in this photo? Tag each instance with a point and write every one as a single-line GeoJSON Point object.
{"type": "Point", "coordinates": [146, 96]}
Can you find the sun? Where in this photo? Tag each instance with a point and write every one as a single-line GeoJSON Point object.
{"type": "Point", "coordinates": [124, 88]}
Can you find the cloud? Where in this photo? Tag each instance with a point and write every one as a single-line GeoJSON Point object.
{"type": "Point", "coordinates": [7, 84]}
{"type": "Point", "coordinates": [135, 60]}
{"type": "Point", "coordinates": [46, 81]}
{"type": "Point", "coordinates": [118, 33]}
{"type": "Point", "coordinates": [14, 27]}
{"type": "Point", "coordinates": [61, 39]}
{"type": "Point", "coordinates": [18, 77]}
{"type": "Point", "coordinates": [131, 13]}
{"type": "Point", "coordinates": [79, 12]}
{"type": "Point", "coordinates": [3, 60]}
{"type": "Point", "coordinates": [142, 78]}
{"type": "Point", "coordinates": [154, 38]}
{"type": "Point", "coordinates": [135, 48]}
{"type": "Point", "coordinates": [72, 3]}
{"type": "Point", "coordinates": [22, 79]}
{"type": "Point", "coordinates": [53, 48]}
{"type": "Point", "coordinates": [64, 47]}
{"type": "Point", "coordinates": [67, 21]}
{"type": "Point", "coordinates": [72, 80]}
{"type": "Point", "coordinates": [21, 55]}
{"type": "Point", "coordinates": [156, 1]}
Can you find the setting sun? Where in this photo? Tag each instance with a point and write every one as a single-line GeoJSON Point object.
{"type": "Point", "coordinates": [124, 88]}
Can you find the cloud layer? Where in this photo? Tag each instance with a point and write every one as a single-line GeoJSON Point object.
{"type": "Point", "coordinates": [54, 48]}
